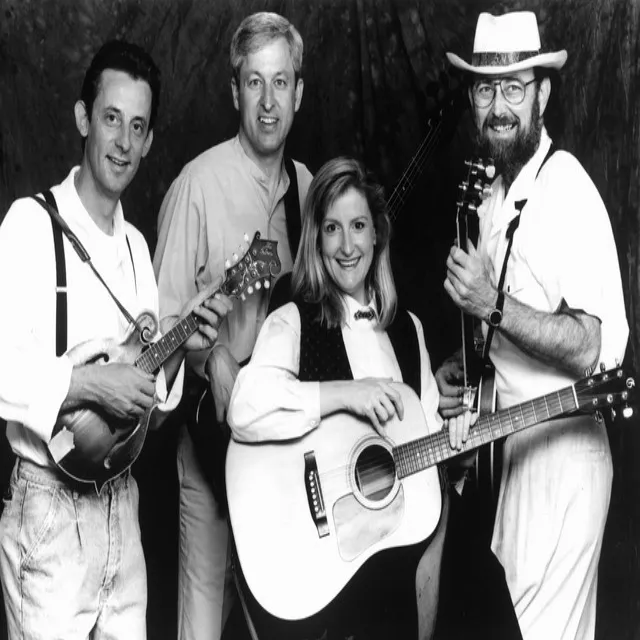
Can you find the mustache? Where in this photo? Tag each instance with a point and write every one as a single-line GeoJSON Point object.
{"type": "Point", "coordinates": [500, 121]}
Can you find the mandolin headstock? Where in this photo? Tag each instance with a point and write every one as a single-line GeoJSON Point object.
{"type": "Point", "coordinates": [253, 270]}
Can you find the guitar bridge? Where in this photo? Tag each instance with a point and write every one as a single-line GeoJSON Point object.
{"type": "Point", "coordinates": [314, 494]}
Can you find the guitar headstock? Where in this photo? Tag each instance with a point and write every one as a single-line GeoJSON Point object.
{"type": "Point", "coordinates": [253, 270]}
{"type": "Point", "coordinates": [477, 185]}
{"type": "Point", "coordinates": [605, 390]}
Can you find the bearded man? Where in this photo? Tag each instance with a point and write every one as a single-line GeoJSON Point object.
{"type": "Point", "coordinates": [557, 315]}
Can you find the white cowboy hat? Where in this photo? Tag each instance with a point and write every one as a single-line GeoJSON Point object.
{"type": "Point", "coordinates": [508, 43]}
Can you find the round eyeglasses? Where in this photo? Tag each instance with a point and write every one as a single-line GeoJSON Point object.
{"type": "Point", "coordinates": [513, 90]}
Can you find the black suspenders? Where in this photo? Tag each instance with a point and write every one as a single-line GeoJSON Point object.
{"type": "Point", "coordinates": [61, 271]}
{"type": "Point", "coordinates": [61, 280]}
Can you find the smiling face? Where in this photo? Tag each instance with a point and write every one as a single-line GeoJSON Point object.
{"type": "Point", "coordinates": [117, 134]}
{"type": "Point", "coordinates": [267, 96]}
{"type": "Point", "coordinates": [347, 240]}
{"type": "Point", "coordinates": [510, 134]}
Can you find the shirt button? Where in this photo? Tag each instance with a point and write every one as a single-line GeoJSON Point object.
{"type": "Point", "coordinates": [314, 423]}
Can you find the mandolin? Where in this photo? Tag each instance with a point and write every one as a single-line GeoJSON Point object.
{"type": "Point", "coordinates": [88, 444]}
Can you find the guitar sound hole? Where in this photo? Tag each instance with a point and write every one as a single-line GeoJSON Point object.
{"type": "Point", "coordinates": [375, 473]}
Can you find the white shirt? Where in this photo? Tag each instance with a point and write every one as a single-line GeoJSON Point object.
{"type": "Point", "coordinates": [563, 249]}
{"type": "Point", "coordinates": [270, 403]}
{"type": "Point", "coordinates": [33, 381]}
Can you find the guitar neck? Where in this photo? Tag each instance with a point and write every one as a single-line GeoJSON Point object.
{"type": "Point", "coordinates": [157, 353]}
{"type": "Point", "coordinates": [414, 170]}
{"type": "Point", "coordinates": [417, 455]}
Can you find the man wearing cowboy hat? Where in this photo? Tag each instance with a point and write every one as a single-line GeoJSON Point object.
{"type": "Point", "coordinates": [558, 316]}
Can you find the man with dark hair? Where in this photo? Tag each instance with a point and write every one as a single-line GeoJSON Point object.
{"type": "Point", "coordinates": [71, 560]}
{"type": "Point", "coordinates": [235, 188]}
{"type": "Point", "coordinates": [545, 280]}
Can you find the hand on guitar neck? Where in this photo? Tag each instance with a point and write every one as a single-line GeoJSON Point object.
{"type": "Point", "coordinates": [105, 418]}
{"type": "Point", "coordinates": [211, 307]}
{"type": "Point", "coordinates": [127, 392]}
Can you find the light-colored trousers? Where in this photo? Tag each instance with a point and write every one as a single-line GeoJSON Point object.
{"type": "Point", "coordinates": [552, 510]}
{"type": "Point", "coordinates": [205, 580]}
{"type": "Point", "coordinates": [71, 562]}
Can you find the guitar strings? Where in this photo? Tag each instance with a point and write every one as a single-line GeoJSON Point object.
{"type": "Point", "coordinates": [414, 168]}
{"type": "Point", "coordinates": [435, 448]}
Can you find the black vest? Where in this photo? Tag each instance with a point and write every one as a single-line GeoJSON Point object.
{"type": "Point", "coordinates": [323, 355]}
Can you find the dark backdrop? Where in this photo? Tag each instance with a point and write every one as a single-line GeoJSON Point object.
{"type": "Point", "coordinates": [373, 84]}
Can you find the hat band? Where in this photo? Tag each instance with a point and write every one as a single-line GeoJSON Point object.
{"type": "Point", "coordinates": [500, 59]}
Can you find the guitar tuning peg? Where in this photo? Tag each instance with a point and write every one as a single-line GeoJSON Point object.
{"type": "Point", "coordinates": [246, 238]}
{"type": "Point", "coordinates": [627, 411]}
{"type": "Point", "coordinates": [249, 289]}
{"type": "Point", "coordinates": [235, 258]}
{"type": "Point", "coordinates": [243, 297]}
{"type": "Point", "coordinates": [227, 264]}
{"type": "Point", "coordinates": [258, 286]}
{"type": "Point", "coordinates": [267, 284]}
{"type": "Point", "coordinates": [603, 367]}
{"type": "Point", "coordinates": [613, 413]}
{"type": "Point", "coordinates": [490, 171]}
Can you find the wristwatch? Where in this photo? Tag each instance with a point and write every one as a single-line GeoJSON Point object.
{"type": "Point", "coordinates": [495, 317]}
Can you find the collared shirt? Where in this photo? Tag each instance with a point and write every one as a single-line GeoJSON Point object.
{"type": "Point", "coordinates": [270, 403]}
{"type": "Point", "coordinates": [33, 381]}
{"type": "Point", "coordinates": [563, 250]}
{"type": "Point", "coordinates": [218, 198]}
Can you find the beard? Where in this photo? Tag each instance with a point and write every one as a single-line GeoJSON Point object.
{"type": "Point", "coordinates": [510, 156]}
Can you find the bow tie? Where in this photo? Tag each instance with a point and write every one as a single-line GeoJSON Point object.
{"type": "Point", "coordinates": [364, 314]}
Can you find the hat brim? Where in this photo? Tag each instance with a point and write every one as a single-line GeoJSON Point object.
{"type": "Point", "coordinates": [552, 60]}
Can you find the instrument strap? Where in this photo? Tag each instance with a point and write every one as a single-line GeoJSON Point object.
{"type": "Point", "coordinates": [83, 254]}
{"type": "Point", "coordinates": [292, 208]}
{"type": "Point", "coordinates": [511, 229]}
{"type": "Point", "coordinates": [61, 279]}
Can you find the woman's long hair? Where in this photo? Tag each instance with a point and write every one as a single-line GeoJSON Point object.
{"type": "Point", "coordinates": [310, 279]}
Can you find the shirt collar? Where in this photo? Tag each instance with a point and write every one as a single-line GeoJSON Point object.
{"type": "Point", "coordinates": [255, 171]}
{"type": "Point", "coordinates": [504, 209]}
{"type": "Point", "coordinates": [83, 225]}
{"type": "Point", "coordinates": [351, 305]}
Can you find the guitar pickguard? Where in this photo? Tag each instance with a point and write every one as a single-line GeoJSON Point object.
{"type": "Point", "coordinates": [359, 528]}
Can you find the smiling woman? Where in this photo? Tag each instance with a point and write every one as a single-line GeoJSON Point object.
{"type": "Point", "coordinates": [347, 241]}
{"type": "Point", "coordinates": [343, 354]}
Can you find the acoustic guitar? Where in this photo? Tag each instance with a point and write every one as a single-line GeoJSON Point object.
{"type": "Point", "coordinates": [88, 444]}
{"type": "Point", "coordinates": [307, 513]}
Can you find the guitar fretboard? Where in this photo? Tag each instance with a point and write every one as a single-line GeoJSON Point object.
{"type": "Point", "coordinates": [414, 169]}
{"type": "Point", "coordinates": [417, 455]}
{"type": "Point", "coordinates": [158, 352]}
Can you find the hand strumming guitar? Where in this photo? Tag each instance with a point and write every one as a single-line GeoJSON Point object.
{"type": "Point", "coordinates": [123, 390]}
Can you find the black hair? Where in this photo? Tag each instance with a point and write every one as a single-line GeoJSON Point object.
{"type": "Point", "coordinates": [121, 56]}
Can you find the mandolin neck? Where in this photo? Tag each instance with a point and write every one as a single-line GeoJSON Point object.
{"type": "Point", "coordinates": [157, 353]}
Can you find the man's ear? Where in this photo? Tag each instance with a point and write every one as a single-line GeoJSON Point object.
{"type": "Point", "coordinates": [234, 93]}
{"type": "Point", "coordinates": [82, 118]}
{"type": "Point", "coordinates": [299, 92]}
{"type": "Point", "coordinates": [147, 144]}
{"type": "Point", "coordinates": [543, 94]}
